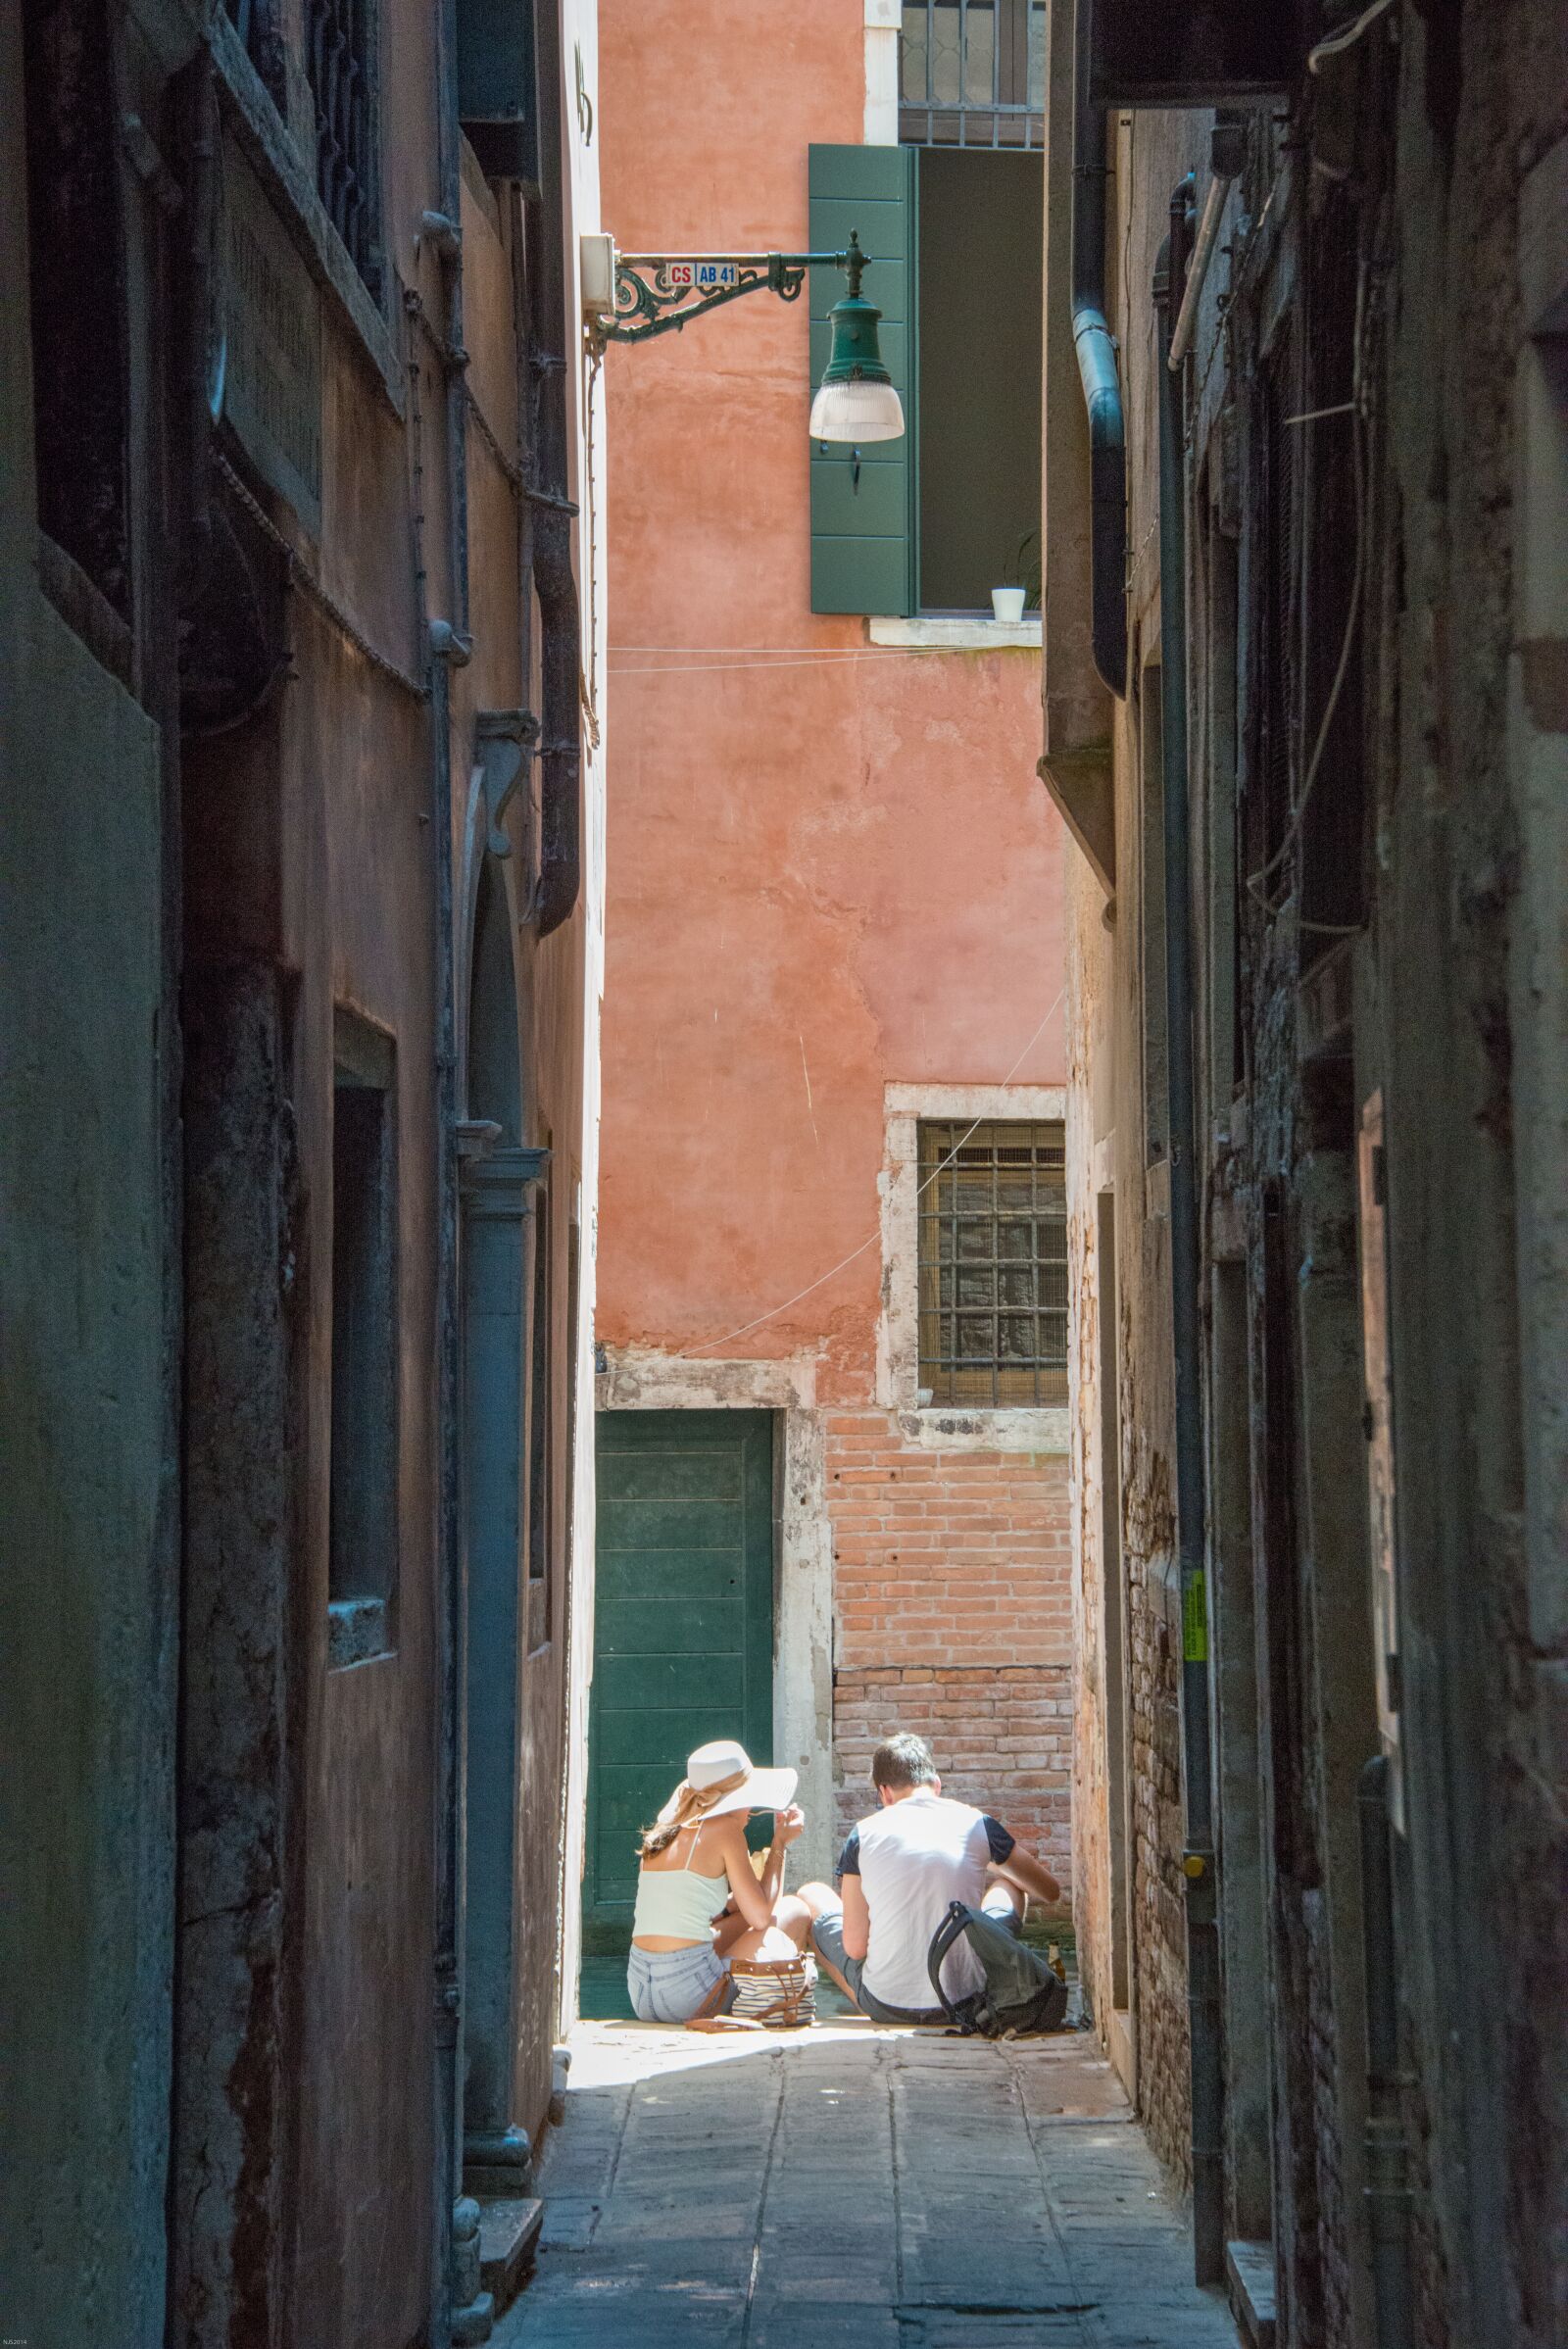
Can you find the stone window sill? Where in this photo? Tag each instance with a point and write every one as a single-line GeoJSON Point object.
{"type": "Point", "coordinates": [358, 1632]}
{"type": "Point", "coordinates": [1016, 1431]}
{"type": "Point", "coordinates": [961, 632]}
{"type": "Point", "coordinates": [290, 183]}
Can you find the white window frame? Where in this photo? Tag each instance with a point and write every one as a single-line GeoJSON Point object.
{"type": "Point", "coordinates": [950, 1427]}
{"type": "Point", "coordinates": [925, 632]}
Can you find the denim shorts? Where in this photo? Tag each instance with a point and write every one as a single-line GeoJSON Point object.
{"type": "Point", "coordinates": [668, 1986]}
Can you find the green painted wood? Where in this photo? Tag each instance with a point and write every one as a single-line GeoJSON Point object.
{"type": "Point", "coordinates": [685, 1476]}
{"type": "Point", "coordinates": [865, 540]}
{"type": "Point", "coordinates": [663, 1684]}
{"type": "Point", "coordinates": [670, 1627]}
{"type": "Point", "coordinates": [683, 1623]}
{"type": "Point", "coordinates": [657, 1522]}
{"type": "Point", "coordinates": [656, 1736]}
{"type": "Point", "coordinates": [705, 1574]}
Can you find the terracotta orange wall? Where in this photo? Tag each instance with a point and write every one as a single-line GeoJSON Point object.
{"type": "Point", "coordinates": [821, 876]}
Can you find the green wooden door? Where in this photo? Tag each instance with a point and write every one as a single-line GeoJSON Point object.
{"type": "Point", "coordinates": [684, 1624]}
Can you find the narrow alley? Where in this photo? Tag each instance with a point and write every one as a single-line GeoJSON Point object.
{"type": "Point", "coordinates": [849, 2188]}
{"type": "Point", "coordinates": [783, 1174]}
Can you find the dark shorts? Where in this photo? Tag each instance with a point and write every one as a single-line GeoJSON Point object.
{"type": "Point", "coordinates": [828, 1935]}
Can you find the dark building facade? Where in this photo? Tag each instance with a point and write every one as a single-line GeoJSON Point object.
{"type": "Point", "coordinates": [299, 860]}
{"type": "Point", "coordinates": [1305, 618]}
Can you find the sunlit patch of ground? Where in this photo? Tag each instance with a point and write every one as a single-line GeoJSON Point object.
{"type": "Point", "coordinates": [851, 2185]}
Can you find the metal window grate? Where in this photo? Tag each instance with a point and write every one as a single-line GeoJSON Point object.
{"type": "Point", "coordinates": [972, 74]}
{"type": "Point", "coordinates": [993, 1265]}
{"type": "Point", "coordinates": [259, 27]}
{"type": "Point", "coordinates": [339, 56]}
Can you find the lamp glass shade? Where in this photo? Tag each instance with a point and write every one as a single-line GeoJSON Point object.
{"type": "Point", "coordinates": [857, 411]}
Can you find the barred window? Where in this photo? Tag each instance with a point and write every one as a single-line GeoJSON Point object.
{"type": "Point", "coordinates": [972, 74]}
{"type": "Point", "coordinates": [993, 1265]}
{"type": "Point", "coordinates": [258, 23]}
{"type": "Point", "coordinates": [341, 62]}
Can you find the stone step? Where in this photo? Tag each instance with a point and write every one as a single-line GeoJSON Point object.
{"type": "Point", "coordinates": [473, 2324]}
{"type": "Point", "coordinates": [509, 2235]}
{"type": "Point", "coordinates": [1250, 2274]}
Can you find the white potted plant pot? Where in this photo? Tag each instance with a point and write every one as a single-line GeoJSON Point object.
{"type": "Point", "coordinates": [1007, 605]}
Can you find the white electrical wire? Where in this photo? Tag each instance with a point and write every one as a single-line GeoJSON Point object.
{"type": "Point", "coordinates": [1355, 408]}
{"type": "Point", "coordinates": [676, 668]}
{"type": "Point", "coordinates": [706, 1345]}
{"type": "Point", "coordinates": [1338, 41]}
{"type": "Point", "coordinates": [824, 653]}
{"type": "Point", "coordinates": [722, 668]}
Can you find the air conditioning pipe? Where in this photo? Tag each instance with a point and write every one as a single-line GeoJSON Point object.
{"type": "Point", "coordinates": [1096, 346]}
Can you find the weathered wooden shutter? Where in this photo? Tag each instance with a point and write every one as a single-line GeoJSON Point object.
{"type": "Point", "coordinates": [864, 533]}
{"type": "Point", "coordinates": [497, 98]}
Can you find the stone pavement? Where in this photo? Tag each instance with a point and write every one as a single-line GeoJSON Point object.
{"type": "Point", "coordinates": [852, 2189]}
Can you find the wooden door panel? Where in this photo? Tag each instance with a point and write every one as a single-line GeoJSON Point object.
{"type": "Point", "coordinates": [685, 1574]}
{"type": "Point", "coordinates": [661, 1684]}
{"type": "Point", "coordinates": [642, 1521]}
{"type": "Point", "coordinates": [709, 1628]}
{"type": "Point", "coordinates": [684, 1624]}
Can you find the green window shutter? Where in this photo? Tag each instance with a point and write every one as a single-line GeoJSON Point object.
{"type": "Point", "coordinates": [864, 538]}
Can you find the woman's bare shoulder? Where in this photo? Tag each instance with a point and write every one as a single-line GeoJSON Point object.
{"type": "Point", "coordinates": [722, 1838]}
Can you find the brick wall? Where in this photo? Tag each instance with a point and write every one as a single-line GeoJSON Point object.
{"type": "Point", "coordinates": [952, 1618]}
{"type": "Point", "coordinates": [1159, 1916]}
{"type": "Point", "coordinates": [1003, 1738]}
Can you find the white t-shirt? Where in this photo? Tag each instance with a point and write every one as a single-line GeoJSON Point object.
{"type": "Point", "coordinates": [913, 1857]}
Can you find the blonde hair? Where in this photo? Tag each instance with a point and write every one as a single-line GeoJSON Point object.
{"type": "Point", "coordinates": [688, 1806]}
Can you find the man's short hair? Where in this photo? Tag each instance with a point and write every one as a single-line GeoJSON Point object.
{"type": "Point", "coordinates": [903, 1761]}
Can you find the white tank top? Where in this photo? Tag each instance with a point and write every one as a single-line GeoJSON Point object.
{"type": "Point", "coordinates": [678, 1903]}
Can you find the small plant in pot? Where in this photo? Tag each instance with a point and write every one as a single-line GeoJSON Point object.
{"type": "Point", "coordinates": [1022, 593]}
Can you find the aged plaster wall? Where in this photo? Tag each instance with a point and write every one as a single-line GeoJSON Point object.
{"type": "Point", "coordinates": [90, 1303]}
{"type": "Point", "coordinates": [310, 847]}
{"type": "Point", "coordinates": [822, 879]}
{"type": "Point", "coordinates": [1464, 1052]}
{"type": "Point", "coordinates": [1115, 1146]}
{"type": "Point", "coordinates": [1458, 133]}
{"type": "Point", "coordinates": [585, 952]}
{"type": "Point", "coordinates": [90, 1503]}
{"type": "Point", "coordinates": [295, 2197]}
{"type": "Point", "coordinates": [831, 869]}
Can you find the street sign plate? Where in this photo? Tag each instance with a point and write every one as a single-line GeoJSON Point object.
{"type": "Point", "coordinates": [270, 373]}
{"type": "Point", "coordinates": [703, 276]}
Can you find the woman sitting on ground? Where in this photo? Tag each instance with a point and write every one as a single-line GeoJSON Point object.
{"type": "Point", "coordinates": [700, 1901]}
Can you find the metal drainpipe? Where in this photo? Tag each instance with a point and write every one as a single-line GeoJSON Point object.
{"type": "Point", "coordinates": [1388, 2187]}
{"type": "Point", "coordinates": [1096, 346]}
{"type": "Point", "coordinates": [1226, 150]}
{"type": "Point", "coordinates": [203, 199]}
{"type": "Point", "coordinates": [1197, 1861]}
{"type": "Point", "coordinates": [448, 642]}
{"type": "Point", "coordinates": [553, 336]}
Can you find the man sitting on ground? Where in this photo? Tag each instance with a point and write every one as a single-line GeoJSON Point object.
{"type": "Point", "coordinates": [898, 1871]}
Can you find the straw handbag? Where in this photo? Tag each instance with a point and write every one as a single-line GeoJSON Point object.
{"type": "Point", "coordinates": [779, 1993]}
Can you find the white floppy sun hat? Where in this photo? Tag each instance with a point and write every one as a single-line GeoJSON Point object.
{"type": "Point", "coordinates": [754, 1791]}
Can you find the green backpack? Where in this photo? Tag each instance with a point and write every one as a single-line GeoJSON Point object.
{"type": "Point", "coordinates": [1020, 1992]}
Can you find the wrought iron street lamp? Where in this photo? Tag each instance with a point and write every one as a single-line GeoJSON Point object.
{"type": "Point", "coordinates": [630, 296]}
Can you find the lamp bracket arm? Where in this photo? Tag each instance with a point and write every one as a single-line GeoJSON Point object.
{"type": "Point", "coordinates": [651, 300]}
{"type": "Point", "coordinates": [503, 740]}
